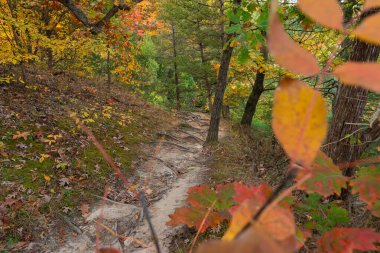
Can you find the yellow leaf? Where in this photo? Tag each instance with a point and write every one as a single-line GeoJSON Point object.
{"type": "Point", "coordinates": [43, 157]}
{"type": "Point", "coordinates": [47, 178]}
{"type": "Point", "coordinates": [299, 120]}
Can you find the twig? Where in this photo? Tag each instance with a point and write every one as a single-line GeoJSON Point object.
{"type": "Point", "coordinates": [147, 217]}
{"type": "Point", "coordinates": [201, 226]}
{"type": "Point", "coordinates": [141, 243]}
{"type": "Point", "coordinates": [345, 137]}
{"type": "Point", "coordinates": [70, 224]}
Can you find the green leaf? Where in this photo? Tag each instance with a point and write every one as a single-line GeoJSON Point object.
{"type": "Point", "coordinates": [326, 178]}
{"type": "Point", "coordinates": [367, 184]}
{"type": "Point", "coordinates": [234, 28]}
{"type": "Point", "coordinates": [243, 55]}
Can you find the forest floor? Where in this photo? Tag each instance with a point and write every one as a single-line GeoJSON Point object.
{"type": "Point", "coordinates": [53, 177]}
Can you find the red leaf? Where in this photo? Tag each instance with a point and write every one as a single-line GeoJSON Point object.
{"type": "Point", "coordinates": [325, 12]}
{"type": "Point", "coordinates": [257, 193]}
{"type": "Point", "coordinates": [201, 199]}
{"type": "Point", "coordinates": [368, 186]}
{"type": "Point", "coordinates": [369, 29]}
{"type": "Point", "coordinates": [326, 177]}
{"type": "Point", "coordinates": [346, 240]}
{"type": "Point", "coordinates": [365, 75]}
{"type": "Point", "coordinates": [287, 52]}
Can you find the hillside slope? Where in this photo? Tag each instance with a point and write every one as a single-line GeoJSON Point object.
{"type": "Point", "coordinates": [49, 169]}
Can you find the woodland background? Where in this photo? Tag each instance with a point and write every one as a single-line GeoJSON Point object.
{"type": "Point", "coordinates": [127, 69]}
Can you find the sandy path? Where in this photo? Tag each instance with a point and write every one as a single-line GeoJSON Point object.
{"type": "Point", "coordinates": [177, 165]}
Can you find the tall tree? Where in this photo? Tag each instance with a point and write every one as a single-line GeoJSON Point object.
{"type": "Point", "coordinates": [257, 90]}
{"type": "Point", "coordinates": [176, 75]}
{"type": "Point", "coordinates": [348, 111]}
{"type": "Point", "coordinates": [212, 135]}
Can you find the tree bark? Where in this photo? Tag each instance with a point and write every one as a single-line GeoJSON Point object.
{"type": "Point", "coordinates": [205, 72]}
{"type": "Point", "coordinates": [253, 100]}
{"type": "Point", "coordinates": [109, 78]}
{"type": "Point", "coordinates": [212, 135]}
{"type": "Point", "coordinates": [254, 97]}
{"type": "Point", "coordinates": [176, 76]}
{"type": "Point", "coordinates": [348, 108]}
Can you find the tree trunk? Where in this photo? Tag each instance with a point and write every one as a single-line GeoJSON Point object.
{"type": "Point", "coordinates": [348, 108]}
{"type": "Point", "coordinates": [109, 79]}
{"type": "Point", "coordinates": [205, 72]}
{"type": "Point", "coordinates": [176, 77]}
{"type": "Point", "coordinates": [212, 135]}
{"type": "Point", "coordinates": [221, 25]}
{"type": "Point", "coordinates": [253, 100]}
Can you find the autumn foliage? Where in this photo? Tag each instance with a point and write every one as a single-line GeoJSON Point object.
{"type": "Point", "coordinates": [260, 220]}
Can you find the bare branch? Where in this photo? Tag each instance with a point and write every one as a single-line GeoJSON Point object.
{"type": "Point", "coordinates": [96, 27]}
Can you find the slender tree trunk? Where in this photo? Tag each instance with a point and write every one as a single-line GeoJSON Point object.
{"type": "Point", "coordinates": [16, 35]}
{"type": "Point", "coordinates": [109, 79]}
{"type": "Point", "coordinates": [176, 77]}
{"type": "Point", "coordinates": [212, 135]}
{"type": "Point", "coordinates": [205, 72]}
{"type": "Point", "coordinates": [253, 100]}
{"type": "Point", "coordinates": [221, 25]}
{"type": "Point", "coordinates": [254, 97]}
{"type": "Point", "coordinates": [348, 110]}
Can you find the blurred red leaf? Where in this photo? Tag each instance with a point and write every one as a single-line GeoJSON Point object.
{"type": "Point", "coordinates": [365, 75]}
{"type": "Point", "coordinates": [369, 29]}
{"type": "Point", "coordinates": [287, 52]}
{"type": "Point", "coordinates": [255, 239]}
{"type": "Point", "coordinates": [346, 240]}
{"type": "Point", "coordinates": [327, 12]}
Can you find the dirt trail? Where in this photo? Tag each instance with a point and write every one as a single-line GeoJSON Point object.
{"type": "Point", "coordinates": [177, 163]}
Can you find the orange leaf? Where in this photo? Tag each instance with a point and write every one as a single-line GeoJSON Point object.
{"type": "Point", "coordinates": [326, 12]}
{"type": "Point", "coordinates": [19, 135]}
{"type": "Point", "coordinates": [299, 120]}
{"type": "Point", "coordinates": [287, 52]}
{"type": "Point", "coordinates": [369, 4]}
{"type": "Point", "coordinates": [277, 221]}
{"type": "Point", "coordinates": [255, 239]}
{"type": "Point", "coordinates": [365, 75]}
{"type": "Point", "coordinates": [241, 217]}
{"type": "Point", "coordinates": [369, 29]}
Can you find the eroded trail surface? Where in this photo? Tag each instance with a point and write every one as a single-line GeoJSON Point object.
{"type": "Point", "coordinates": [176, 162]}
